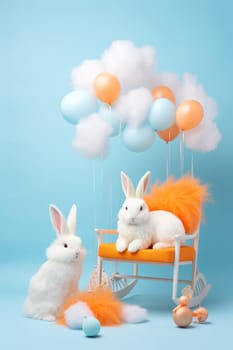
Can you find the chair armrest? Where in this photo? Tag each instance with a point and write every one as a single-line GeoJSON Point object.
{"type": "Point", "coordinates": [107, 232]}
{"type": "Point", "coordinates": [100, 232]}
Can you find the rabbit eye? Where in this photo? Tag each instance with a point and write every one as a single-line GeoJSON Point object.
{"type": "Point", "coordinates": [65, 245]}
{"type": "Point", "coordinates": [126, 208]}
{"type": "Point", "coordinates": [141, 208]}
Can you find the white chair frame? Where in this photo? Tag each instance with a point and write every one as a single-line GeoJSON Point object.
{"type": "Point", "coordinates": [120, 284]}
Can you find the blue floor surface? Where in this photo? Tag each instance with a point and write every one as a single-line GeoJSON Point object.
{"type": "Point", "coordinates": [159, 332]}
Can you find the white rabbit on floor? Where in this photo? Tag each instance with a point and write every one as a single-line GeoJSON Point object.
{"type": "Point", "coordinates": [138, 228]}
{"type": "Point", "coordinates": [58, 277]}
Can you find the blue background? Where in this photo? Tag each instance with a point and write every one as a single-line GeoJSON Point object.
{"type": "Point", "coordinates": [41, 41]}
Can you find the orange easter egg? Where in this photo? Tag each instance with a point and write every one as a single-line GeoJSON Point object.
{"type": "Point", "coordinates": [182, 316]}
{"type": "Point", "coordinates": [201, 314]}
{"type": "Point", "coordinates": [184, 300]}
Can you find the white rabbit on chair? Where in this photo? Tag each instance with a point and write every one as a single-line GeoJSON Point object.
{"type": "Point", "coordinates": [58, 277]}
{"type": "Point", "coordinates": [138, 228]}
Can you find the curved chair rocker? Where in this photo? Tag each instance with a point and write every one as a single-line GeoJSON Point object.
{"type": "Point", "coordinates": [180, 254]}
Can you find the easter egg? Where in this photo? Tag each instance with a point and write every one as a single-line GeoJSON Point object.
{"type": "Point", "coordinates": [201, 314]}
{"type": "Point", "coordinates": [184, 300]}
{"type": "Point", "coordinates": [182, 316]}
{"type": "Point", "coordinates": [91, 326]}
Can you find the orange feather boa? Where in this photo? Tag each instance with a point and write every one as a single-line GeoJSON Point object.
{"type": "Point", "coordinates": [184, 198]}
{"type": "Point", "coordinates": [102, 302]}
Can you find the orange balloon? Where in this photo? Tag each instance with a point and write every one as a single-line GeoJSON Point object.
{"type": "Point", "coordinates": [169, 134]}
{"type": "Point", "coordinates": [189, 114]}
{"type": "Point", "coordinates": [163, 92]}
{"type": "Point", "coordinates": [107, 87]}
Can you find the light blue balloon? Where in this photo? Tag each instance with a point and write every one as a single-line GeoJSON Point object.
{"type": "Point", "coordinates": [91, 326]}
{"type": "Point", "coordinates": [162, 114]}
{"type": "Point", "coordinates": [78, 104]}
{"type": "Point", "coordinates": [138, 139]}
{"type": "Point", "coordinates": [109, 115]}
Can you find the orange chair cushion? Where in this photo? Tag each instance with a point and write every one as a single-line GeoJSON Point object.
{"type": "Point", "coordinates": [163, 255]}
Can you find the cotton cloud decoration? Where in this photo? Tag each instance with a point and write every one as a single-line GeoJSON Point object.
{"type": "Point", "coordinates": [135, 68]}
{"type": "Point", "coordinates": [133, 107]}
{"type": "Point", "coordinates": [91, 138]}
{"type": "Point", "coordinates": [82, 77]}
{"type": "Point", "coordinates": [206, 136]}
{"type": "Point", "coordinates": [170, 80]}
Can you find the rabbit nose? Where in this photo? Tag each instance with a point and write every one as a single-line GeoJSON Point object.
{"type": "Point", "coordinates": [76, 255]}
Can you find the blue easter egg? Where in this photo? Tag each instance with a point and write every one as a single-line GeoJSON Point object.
{"type": "Point", "coordinates": [91, 326]}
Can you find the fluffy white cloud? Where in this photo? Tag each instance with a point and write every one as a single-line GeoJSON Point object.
{"type": "Point", "coordinates": [133, 66]}
{"type": "Point", "coordinates": [190, 89]}
{"type": "Point", "coordinates": [170, 80]}
{"type": "Point", "coordinates": [82, 77]}
{"type": "Point", "coordinates": [92, 135]}
{"type": "Point", "coordinates": [133, 107]}
{"type": "Point", "coordinates": [135, 69]}
{"type": "Point", "coordinates": [206, 136]}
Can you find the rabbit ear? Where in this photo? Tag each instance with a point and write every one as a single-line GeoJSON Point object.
{"type": "Point", "coordinates": [142, 185]}
{"type": "Point", "coordinates": [127, 186]}
{"type": "Point", "coordinates": [71, 220]}
{"type": "Point", "coordinates": [58, 221]}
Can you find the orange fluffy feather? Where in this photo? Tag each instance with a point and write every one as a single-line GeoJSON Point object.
{"type": "Point", "coordinates": [183, 197]}
{"type": "Point", "coordinates": [104, 305]}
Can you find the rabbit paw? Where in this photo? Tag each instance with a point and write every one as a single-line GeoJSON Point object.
{"type": "Point", "coordinates": [159, 245]}
{"type": "Point", "coordinates": [121, 245]}
{"type": "Point", "coordinates": [48, 318]}
{"type": "Point", "coordinates": [135, 245]}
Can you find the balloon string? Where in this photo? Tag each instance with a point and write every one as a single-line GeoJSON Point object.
{"type": "Point", "coordinates": [108, 106]}
{"type": "Point", "coordinates": [168, 159]}
{"type": "Point", "coordinates": [121, 128]}
{"type": "Point", "coordinates": [168, 156]}
{"type": "Point", "coordinates": [192, 165]}
{"type": "Point", "coordinates": [110, 192]}
{"type": "Point", "coordinates": [182, 153]}
{"type": "Point", "coordinates": [102, 185]}
{"type": "Point", "coordinates": [94, 191]}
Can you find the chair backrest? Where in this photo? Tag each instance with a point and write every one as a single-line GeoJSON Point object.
{"type": "Point", "coordinates": [196, 239]}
